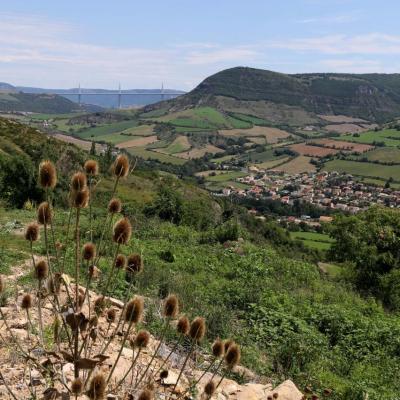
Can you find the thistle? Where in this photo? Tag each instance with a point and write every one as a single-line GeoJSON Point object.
{"type": "Point", "coordinates": [197, 329]}
{"type": "Point", "coordinates": [47, 175]}
{"type": "Point", "coordinates": [121, 166]}
{"type": "Point", "coordinates": [122, 231]}
{"type": "Point", "coordinates": [209, 389]}
{"type": "Point", "coordinates": [89, 251]}
{"type": "Point", "coordinates": [44, 213]}
{"type": "Point", "coordinates": [41, 270]}
{"type": "Point", "coordinates": [114, 206]}
{"type": "Point", "coordinates": [134, 310]}
{"type": "Point", "coordinates": [32, 232]}
{"type": "Point", "coordinates": [146, 394]}
{"type": "Point", "coordinates": [80, 199]}
{"type": "Point", "coordinates": [97, 387]}
{"type": "Point", "coordinates": [183, 326]}
{"type": "Point", "coordinates": [78, 181]}
{"type": "Point", "coordinates": [120, 261]}
{"type": "Point", "coordinates": [171, 306]}
{"type": "Point", "coordinates": [91, 167]}
{"type": "Point", "coordinates": [142, 339]}
{"type": "Point", "coordinates": [77, 386]}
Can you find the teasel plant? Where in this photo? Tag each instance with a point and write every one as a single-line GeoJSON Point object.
{"type": "Point", "coordinates": [76, 263]}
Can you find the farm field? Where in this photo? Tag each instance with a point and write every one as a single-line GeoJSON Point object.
{"type": "Point", "coordinates": [390, 137]}
{"type": "Point", "coordinates": [204, 118]}
{"type": "Point", "coordinates": [103, 130]}
{"type": "Point", "coordinates": [256, 157]}
{"type": "Point", "coordinates": [199, 152]}
{"type": "Point", "coordinates": [222, 159]}
{"type": "Point", "coordinates": [364, 169]}
{"type": "Point", "coordinates": [340, 119]}
{"type": "Point", "coordinates": [148, 154]}
{"type": "Point", "coordinates": [383, 154]}
{"type": "Point", "coordinates": [83, 144]}
{"type": "Point", "coordinates": [312, 151]}
{"type": "Point", "coordinates": [226, 176]}
{"type": "Point", "coordinates": [271, 135]}
{"type": "Point", "coordinates": [348, 128]}
{"type": "Point", "coordinates": [179, 145]}
{"type": "Point", "coordinates": [273, 163]}
{"type": "Point", "coordinates": [137, 142]}
{"type": "Point", "coordinates": [313, 240]}
{"type": "Point", "coordinates": [343, 145]}
{"type": "Point", "coordinates": [297, 165]}
{"type": "Point", "coordinates": [141, 130]}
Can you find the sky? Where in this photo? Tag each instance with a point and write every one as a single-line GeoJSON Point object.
{"type": "Point", "coordinates": [142, 44]}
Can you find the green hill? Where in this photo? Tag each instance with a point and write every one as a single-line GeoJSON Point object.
{"type": "Point", "coordinates": [374, 97]}
{"type": "Point", "coordinates": [37, 103]}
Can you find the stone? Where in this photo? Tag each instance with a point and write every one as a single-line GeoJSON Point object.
{"type": "Point", "coordinates": [287, 391]}
{"type": "Point", "coordinates": [116, 303]}
{"type": "Point", "coordinates": [253, 391]}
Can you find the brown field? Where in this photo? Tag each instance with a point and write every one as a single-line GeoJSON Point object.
{"type": "Point", "coordinates": [257, 140]}
{"type": "Point", "coordinates": [312, 151]}
{"type": "Point", "coordinates": [347, 128]}
{"type": "Point", "coordinates": [341, 145]}
{"type": "Point", "coordinates": [139, 141]}
{"type": "Point", "coordinates": [83, 144]}
{"type": "Point", "coordinates": [341, 118]}
{"type": "Point", "coordinates": [197, 153]}
{"type": "Point", "coordinates": [272, 163]}
{"type": "Point", "coordinates": [271, 135]}
{"type": "Point", "coordinates": [297, 165]}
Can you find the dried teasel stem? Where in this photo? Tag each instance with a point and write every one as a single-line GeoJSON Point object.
{"type": "Point", "coordinates": [7, 387]}
{"type": "Point", "coordinates": [77, 265]}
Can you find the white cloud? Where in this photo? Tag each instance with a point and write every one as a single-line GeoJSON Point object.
{"type": "Point", "coordinates": [334, 19]}
{"type": "Point", "coordinates": [371, 43]}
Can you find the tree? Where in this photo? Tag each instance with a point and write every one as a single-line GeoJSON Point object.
{"type": "Point", "coordinates": [371, 242]}
{"type": "Point", "coordinates": [93, 149]}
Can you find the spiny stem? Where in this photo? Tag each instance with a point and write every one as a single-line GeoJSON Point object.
{"type": "Point", "coordinates": [77, 265]}
{"type": "Point", "coordinates": [130, 368]}
{"type": "Point", "coordinates": [66, 239]}
{"type": "Point", "coordinates": [120, 351]}
{"type": "Point", "coordinates": [156, 351]}
{"type": "Point", "coordinates": [184, 364]}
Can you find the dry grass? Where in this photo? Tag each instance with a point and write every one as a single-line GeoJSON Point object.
{"type": "Point", "coordinates": [347, 128]}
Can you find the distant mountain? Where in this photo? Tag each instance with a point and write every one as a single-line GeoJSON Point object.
{"type": "Point", "coordinates": [374, 97]}
{"type": "Point", "coordinates": [97, 95]}
{"type": "Point", "coordinates": [11, 99]}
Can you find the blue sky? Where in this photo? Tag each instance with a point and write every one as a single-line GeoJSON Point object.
{"type": "Point", "coordinates": [143, 43]}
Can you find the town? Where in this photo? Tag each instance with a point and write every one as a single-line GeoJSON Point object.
{"type": "Point", "coordinates": [327, 190]}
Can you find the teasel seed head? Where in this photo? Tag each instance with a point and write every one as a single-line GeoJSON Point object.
{"type": "Point", "coordinates": [99, 305]}
{"type": "Point", "coordinates": [183, 325]}
{"type": "Point", "coordinates": [44, 213]}
{"type": "Point", "coordinates": [80, 198]}
{"type": "Point", "coordinates": [228, 343]}
{"type": "Point", "coordinates": [32, 232]}
{"type": "Point", "coordinates": [134, 310]}
{"type": "Point", "coordinates": [171, 306]}
{"type": "Point", "coordinates": [91, 167]}
{"type": "Point", "coordinates": [209, 388]}
{"type": "Point", "coordinates": [120, 261]}
{"type": "Point", "coordinates": [89, 251]}
{"type": "Point", "coordinates": [232, 356]}
{"type": "Point", "coordinates": [134, 263]}
{"type": "Point", "coordinates": [269, 397]}
{"type": "Point", "coordinates": [26, 302]}
{"type": "Point", "coordinates": [122, 231]}
{"type": "Point", "coordinates": [121, 166]}
{"type": "Point", "coordinates": [142, 339]}
{"type": "Point", "coordinates": [197, 329]}
{"type": "Point", "coordinates": [275, 395]}
{"type": "Point", "coordinates": [218, 349]}
{"type": "Point", "coordinates": [114, 206]}
{"type": "Point", "coordinates": [47, 175]}
{"type": "Point", "coordinates": [41, 270]}
{"type": "Point", "coordinates": [54, 283]}
{"type": "Point", "coordinates": [93, 334]}
{"type": "Point", "coordinates": [111, 315]}
{"type": "Point", "coordinates": [77, 386]}
{"type": "Point", "coordinates": [164, 374]}
{"type": "Point", "coordinates": [78, 181]}
{"type": "Point", "coordinates": [146, 394]}
{"type": "Point", "coordinates": [97, 387]}
{"type": "Point", "coordinates": [93, 322]}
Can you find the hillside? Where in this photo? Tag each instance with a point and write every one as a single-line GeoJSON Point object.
{"type": "Point", "coordinates": [11, 100]}
{"type": "Point", "coordinates": [374, 97]}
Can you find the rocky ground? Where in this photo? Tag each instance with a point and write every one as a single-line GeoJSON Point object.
{"type": "Point", "coordinates": [27, 382]}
